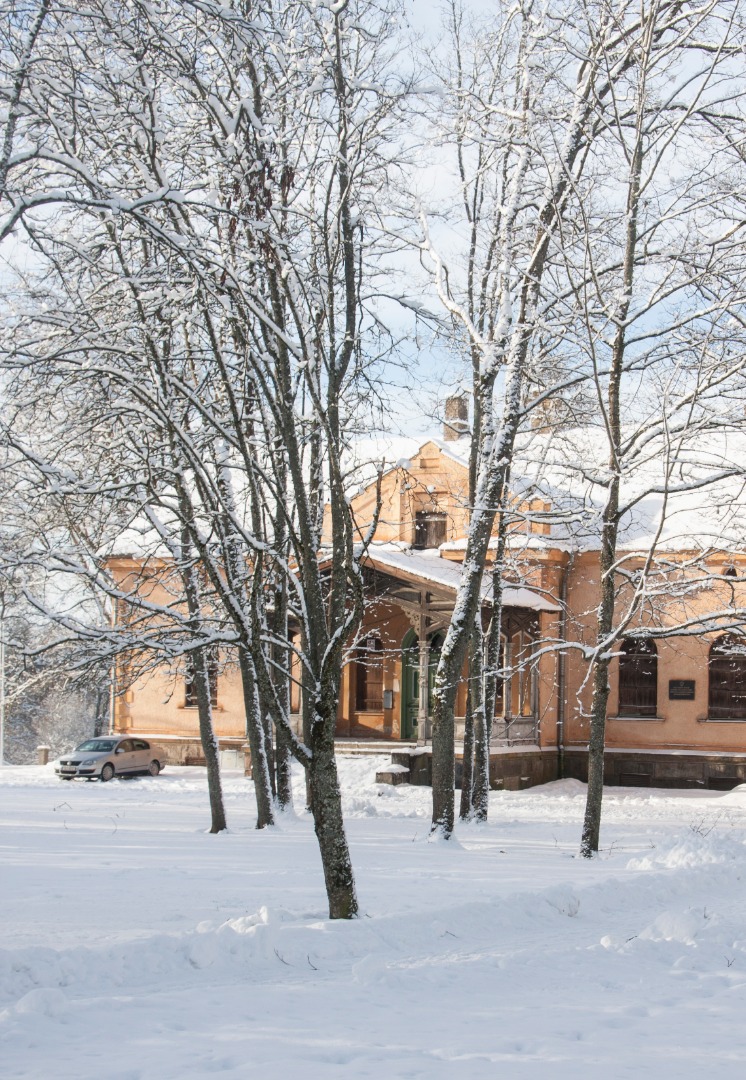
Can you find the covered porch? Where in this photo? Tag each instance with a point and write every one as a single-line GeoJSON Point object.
{"type": "Point", "coordinates": [387, 689]}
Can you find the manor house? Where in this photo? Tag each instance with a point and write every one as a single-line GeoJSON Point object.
{"type": "Point", "coordinates": [677, 707]}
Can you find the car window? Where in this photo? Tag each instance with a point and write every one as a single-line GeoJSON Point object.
{"type": "Point", "coordinates": [140, 744]}
{"type": "Point", "coordinates": [125, 746]}
{"type": "Point", "coordinates": [97, 746]}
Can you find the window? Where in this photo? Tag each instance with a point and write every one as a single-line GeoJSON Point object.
{"type": "Point", "coordinates": [296, 673]}
{"type": "Point", "coordinates": [500, 679]}
{"type": "Point", "coordinates": [727, 697]}
{"type": "Point", "coordinates": [638, 678]}
{"type": "Point", "coordinates": [521, 689]}
{"type": "Point", "coordinates": [190, 686]}
{"type": "Point", "coordinates": [369, 675]}
{"type": "Point", "coordinates": [430, 528]}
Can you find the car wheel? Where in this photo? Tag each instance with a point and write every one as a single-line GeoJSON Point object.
{"type": "Point", "coordinates": [107, 772]}
{"type": "Point", "coordinates": [154, 768]}
{"type": "Point", "coordinates": [66, 778]}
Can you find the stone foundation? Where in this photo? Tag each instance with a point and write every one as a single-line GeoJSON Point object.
{"type": "Point", "coordinates": [183, 750]}
{"type": "Point", "coordinates": [672, 769]}
{"type": "Point", "coordinates": [510, 769]}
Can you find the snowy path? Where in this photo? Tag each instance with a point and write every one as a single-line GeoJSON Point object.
{"type": "Point", "coordinates": [137, 947]}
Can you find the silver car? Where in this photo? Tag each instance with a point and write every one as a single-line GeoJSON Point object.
{"type": "Point", "coordinates": [110, 755]}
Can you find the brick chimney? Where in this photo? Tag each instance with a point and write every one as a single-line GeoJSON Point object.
{"type": "Point", "coordinates": [457, 418]}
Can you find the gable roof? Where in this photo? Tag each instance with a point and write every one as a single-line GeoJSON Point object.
{"type": "Point", "coordinates": [699, 507]}
{"type": "Point", "coordinates": [427, 567]}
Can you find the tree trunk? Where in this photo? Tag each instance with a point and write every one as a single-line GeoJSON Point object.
{"type": "Point", "coordinates": [283, 763]}
{"type": "Point", "coordinates": [605, 635]}
{"type": "Point", "coordinates": [592, 820]}
{"type": "Point", "coordinates": [468, 605]}
{"type": "Point", "coordinates": [467, 767]}
{"type": "Point", "coordinates": [326, 807]}
{"type": "Point", "coordinates": [281, 678]}
{"type": "Point", "coordinates": [492, 664]}
{"type": "Point", "coordinates": [201, 674]}
{"type": "Point", "coordinates": [255, 735]}
{"type": "Point", "coordinates": [269, 750]}
{"type": "Point", "coordinates": [306, 707]}
{"type": "Point", "coordinates": [481, 793]}
{"type": "Point", "coordinates": [209, 740]}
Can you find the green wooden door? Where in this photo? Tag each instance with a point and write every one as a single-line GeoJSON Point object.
{"type": "Point", "coordinates": [410, 684]}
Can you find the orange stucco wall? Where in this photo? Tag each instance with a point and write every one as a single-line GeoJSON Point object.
{"type": "Point", "coordinates": [431, 481]}
{"type": "Point", "coordinates": [679, 724]}
{"type": "Point", "coordinates": [434, 480]}
{"type": "Point", "coordinates": [153, 702]}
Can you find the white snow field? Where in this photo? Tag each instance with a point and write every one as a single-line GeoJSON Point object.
{"type": "Point", "coordinates": [135, 946]}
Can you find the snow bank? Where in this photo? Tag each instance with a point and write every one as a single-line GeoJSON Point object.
{"type": "Point", "coordinates": [501, 954]}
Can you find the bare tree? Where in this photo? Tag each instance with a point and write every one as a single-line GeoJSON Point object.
{"type": "Point", "coordinates": [217, 193]}
{"type": "Point", "coordinates": [46, 704]}
{"type": "Point", "coordinates": [524, 126]}
{"type": "Point", "coordinates": [659, 280]}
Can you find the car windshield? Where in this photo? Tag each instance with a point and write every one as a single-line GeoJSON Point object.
{"type": "Point", "coordinates": [98, 746]}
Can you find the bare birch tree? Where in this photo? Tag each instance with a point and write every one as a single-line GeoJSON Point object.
{"type": "Point", "coordinates": [659, 281]}
{"type": "Point", "coordinates": [532, 121]}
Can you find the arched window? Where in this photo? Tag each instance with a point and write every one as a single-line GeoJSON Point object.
{"type": "Point", "coordinates": [500, 679]}
{"type": "Point", "coordinates": [638, 677]}
{"type": "Point", "coordinates": [295, 673]}
{"type": "Point", "coordinates": [190, 686]}
{"type": "Point", "coordinates": [727, 698]}
{"type": "Point", "coordinates": [521, 684]}
{"type": "Point", "coordinates": [369, 675]}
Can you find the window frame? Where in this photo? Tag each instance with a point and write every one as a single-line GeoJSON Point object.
{"type": "Point", "coordinates": [722, 663]}
{"type": "Point", "coordinates": [369, 675]}
{"type": "Point", "coordinates": [430, 529]}
{"type": "Point", "coordinates": [637, 689]}
{"type": "Point", "coordinates": [190, 690]}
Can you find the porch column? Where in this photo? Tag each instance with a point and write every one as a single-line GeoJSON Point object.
{"type": "Point", "coordinates": [423, 718]}
{"type": "Point", "coordinates": [535, 701]}
{"type": "Point", "coordinates": [508, 684]}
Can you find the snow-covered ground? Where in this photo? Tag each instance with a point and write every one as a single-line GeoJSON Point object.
{"type": "Point", "coordinates": [137, 947]}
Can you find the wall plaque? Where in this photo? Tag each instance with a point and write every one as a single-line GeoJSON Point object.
{"type": "Point", "coordinates": [681, 689]}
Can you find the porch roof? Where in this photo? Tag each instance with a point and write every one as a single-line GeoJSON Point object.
{"type": "Point", "coordinates": [427, 567]}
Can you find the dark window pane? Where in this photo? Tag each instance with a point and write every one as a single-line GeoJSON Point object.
{"type": "Point", "coordinates": [190, 687]}
{"type": "Point", "coordinates": [638, 678]}
{"type": "Point", "coordinates": [369, 675]}
{"type": "Point", "coordinates": [430, 528]}
{"type": "Point", "coordinates": [727, 679]}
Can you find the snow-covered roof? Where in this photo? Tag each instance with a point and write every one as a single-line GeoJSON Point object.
{"type": "Point", "coordinates": [700, 505]}
{"type": "Point", "coordinates": [457, 449]}
{"type": "Point", "coordinates": [517, 542]}
{"type": "Point", "coordinates": [367, 456]}
{"type": "Point", "coordinates": [428, 566]}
